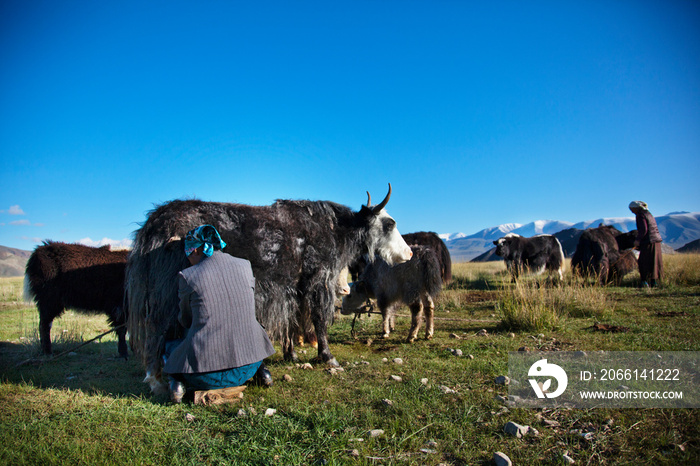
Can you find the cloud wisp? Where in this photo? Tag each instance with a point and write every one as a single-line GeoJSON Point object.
{"type": "Point", "coordinates": [113, 243]}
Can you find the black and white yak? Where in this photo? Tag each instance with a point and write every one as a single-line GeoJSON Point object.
{"type": "Point", "coordinates": [297, 250]}
{"type": "Point", "coordinates": [535, 254]}
{"type": "Point", "coordinates": [62, 276]}
{"type": "Point", "coordinates": [414, 283]}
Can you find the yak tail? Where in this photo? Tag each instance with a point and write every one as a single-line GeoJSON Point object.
{"type": "Point", "coordinates": [562, 266]}
{"type": "Point", "coordinates": [447, 266]}
{"type": "Point", "coordinates": [27, 293]}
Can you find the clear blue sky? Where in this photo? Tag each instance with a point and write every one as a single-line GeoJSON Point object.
{"type": "Point", "coordinates": [478, 113]}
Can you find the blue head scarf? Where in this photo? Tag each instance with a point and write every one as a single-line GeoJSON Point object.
{"type": "Point", "coordinates": [203, 235]}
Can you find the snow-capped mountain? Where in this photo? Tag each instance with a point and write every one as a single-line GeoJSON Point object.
{"type": "Point", "coordinates": [677, 229]}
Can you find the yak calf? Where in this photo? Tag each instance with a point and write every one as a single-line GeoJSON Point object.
{"type": "Point", "coordinates": [414, 283]}
{"type": "Point", "coordinates": [62, 276]}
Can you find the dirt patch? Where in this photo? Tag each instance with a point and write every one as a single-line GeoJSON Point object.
{"type": "Point", "coordinates": [478, 297]}
{"type": "Point", "coordinates": [672, 314]}
{"type": "Point", "coordinates": [607, 328]}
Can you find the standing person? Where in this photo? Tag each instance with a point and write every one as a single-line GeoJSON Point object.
{"type": "Point", "coordinates": [649, 244]}
{"type": "Point", "coordinates": [224, 345]}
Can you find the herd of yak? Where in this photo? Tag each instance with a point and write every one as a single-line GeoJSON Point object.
{"type": "Point", "coordinates": [301, 253]}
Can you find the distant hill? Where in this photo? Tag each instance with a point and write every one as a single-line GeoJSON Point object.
{"type": "Point", "coordinates": [13, 261]}
{"type": "Point", "coordinates": [693, 246]}
{"type": "Point", "coordinates": [677, 229]}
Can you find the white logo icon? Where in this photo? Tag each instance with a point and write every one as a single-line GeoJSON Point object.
{"type": "Point", "coordinates": [544, 369]}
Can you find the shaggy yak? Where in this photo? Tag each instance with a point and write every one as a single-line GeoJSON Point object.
{"type": "Point", "coordinates": [414, 283]}
{"type": "Point", "coordinates": [297, 250]}
{"type": "Point", "coordinates": [62, 276]}
{"type": "Point", "coordinates": [598, 254]}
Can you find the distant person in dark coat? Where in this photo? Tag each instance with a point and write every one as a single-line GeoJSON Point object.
{"type": "Point", "coordinates": [649, 244]}
{"type": "Point", "coordinates": [224, 345]}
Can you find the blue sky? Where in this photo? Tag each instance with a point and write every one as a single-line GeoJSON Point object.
{"type": "Point", "coordinates": [477, 113]}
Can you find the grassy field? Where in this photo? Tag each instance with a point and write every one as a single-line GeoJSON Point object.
{"type": "Point", "coordinates": [89, 407]}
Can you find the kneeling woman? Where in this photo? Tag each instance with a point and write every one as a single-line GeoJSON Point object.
{"type": "Point", "coordinates": [224, 345]}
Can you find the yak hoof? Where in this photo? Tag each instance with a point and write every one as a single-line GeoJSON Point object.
{"type": "Point", "coordinates": [158, 387]}
{"type": "Point", "coordinates": [386, 335]}
{"type": "Point", "coordinates": [333, 362]}
{"type": "Point", "coordinates": [292, 357]}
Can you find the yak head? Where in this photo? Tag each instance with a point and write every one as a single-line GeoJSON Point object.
{"type": "Point", "coordinates": [354, 301]}
{"type": "Point", "coordinates": [503, 245]}
{"type": "Point", "coordinates": [383, 238]}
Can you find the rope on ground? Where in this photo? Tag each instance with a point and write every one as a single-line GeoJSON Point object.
{"type": "Point", "coordinates": [30, 360]}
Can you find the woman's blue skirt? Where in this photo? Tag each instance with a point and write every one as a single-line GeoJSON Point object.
{"type": "Point", "coordinates": [234, 377]}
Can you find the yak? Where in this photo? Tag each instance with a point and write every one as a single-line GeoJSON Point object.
{"type": "Point", "coordinates": [62, 276]}
{"type": "Point", "coordinates": [598, 253]}
{"type": "Point", "coordinates": [414, 283]}
{"type": "Point", "coordinates": [297, 250]}
{"type": "Point", "coordinates": [533, 254]}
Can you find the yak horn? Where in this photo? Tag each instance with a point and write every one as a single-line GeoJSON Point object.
{"type": "Point", "coordinates": [376, 209]}
{"type": "Point", "coordinates": [369, 199]}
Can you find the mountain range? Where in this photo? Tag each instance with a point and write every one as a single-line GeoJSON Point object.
{"type": "Point", "coordinates": [677, 229]}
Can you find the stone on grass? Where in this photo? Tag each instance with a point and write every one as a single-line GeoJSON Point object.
{"type": "Point", "coordinates": [397, 361]}
{"type": "Point", "coordinates": [516, 430]}
{"type": "Point", "coordinates": [270, 412]}
{"type": "Point", "coordinates": [396, 378]}
{"type": "Point", "coordinates": [447, 390]}
{"type": "Point", "coordinates": [376, 433]}
{"type": "Point", "coordinates": [502, 380]}
{"type": "Point", "coordinates": [501, 459]}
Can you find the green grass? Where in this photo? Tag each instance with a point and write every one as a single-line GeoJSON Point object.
{"type": "Point", "coordinates": [91, 407]}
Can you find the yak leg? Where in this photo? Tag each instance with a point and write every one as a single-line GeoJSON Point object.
{"type": "Point", "coordinates": [46, 316]}
{"type": "Point", "coordinates": [295, 334]}
{"type": "Point", "coordinates": [416, 309]}
{"type": "Point", "coordinates": [121, 345]}
{"type": "Point", "coordinates": [324, 352]}
{"type": "Point", "coordinates": [288, 350]}
{"type": "Point", "coordinates": [323, 307]}
{"type": "Point", "coordinates": [429, 308]}
{"type": "Point", "coordinates": [154, 348]}
{"type": "Point", "coordinates": [386, 321]}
